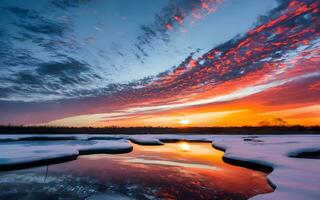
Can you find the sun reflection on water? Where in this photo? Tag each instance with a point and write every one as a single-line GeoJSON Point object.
{"type": "Point", "coordinates": [185, 146]}
{"type": "Point", "coordinates": [183, 170]}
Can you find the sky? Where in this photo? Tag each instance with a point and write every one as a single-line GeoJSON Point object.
{"type": "Point", "coordinates": [160, 63]}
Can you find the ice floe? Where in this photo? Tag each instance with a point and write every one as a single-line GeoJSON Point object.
{"type": "Point", "coordinates": [25, 153]}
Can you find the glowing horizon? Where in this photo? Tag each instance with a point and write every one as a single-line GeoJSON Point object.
{"type": "Point", "coordinates": [73, 72]}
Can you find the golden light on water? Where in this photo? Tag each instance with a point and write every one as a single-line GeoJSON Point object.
{"type": "Point", "coordinates": [199, 163]}
{"type": "Point", "coordinates": [185, 146]}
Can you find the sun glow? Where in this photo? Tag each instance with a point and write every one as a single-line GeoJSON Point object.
{"type": "Point", "coordinates": [185, 122]}
{"type": "Point", "coordinates": [184, 146]}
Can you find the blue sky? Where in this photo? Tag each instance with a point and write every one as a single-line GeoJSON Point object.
{"type": "Point", "coordinates": [101, 36]}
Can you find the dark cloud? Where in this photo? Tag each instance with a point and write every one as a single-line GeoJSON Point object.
{"type": "Point", "coordinates": [64, 75]}
{"type": "Point", "coordinates": [26, 77]}
{"type": "Point", "coordinates": [45, 27]}
{"type": "Point", "coordinates": [21, 12]}
{"type": "Point", "coordinates": [63, 79]}
{"type": "Point", "coordinates": [68, 67]}
{"type": "Point", "coordinates": [34, 22]}
{"type": "Point", "coordinates": [17, 57]}
{"type": "Point", "coordinates": [28, 40]}
{"type": "Point", "coordinates": [58, 47]}
{"type": "Point", "coordinates": [28, 27]}
{"type": "Point", "coordinates": [66, 4]}
{"type": "Point", "coordinates": [5, 92]}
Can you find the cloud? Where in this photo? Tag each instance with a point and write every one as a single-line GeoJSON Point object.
{"type": "Point", "coordinates": [173, 17]}
{"type": "Point", "coordinates": [21, 12]}
{"type": "Point", "coordinates": [267, 48]}
{"type": "Point", "coordinates": [281, 49]}
{"type": "Point", "coordinates": [60, 79]}
{"type": "Point", "coordinates": [30, 39]}
{"type": "Point", "coordinates": [66, 4]}
{"type": "Point", "coordinates": [33, 22]}
{"type": "Point", "coordinates": [264, 50]}
{"type": "Point", "coordinates": [70, 67]}
{"type": "Point", "coordinates": [45, 27]}
{"type": "Point", "coordinates": [28, 31]}
{"type": "Point", "coordinates": [25, 77]}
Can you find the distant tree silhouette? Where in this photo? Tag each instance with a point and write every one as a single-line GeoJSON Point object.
{"type": "Point", "coordinates": [274, 122]}
{"type": "Point", "coordinates": [266, 129]}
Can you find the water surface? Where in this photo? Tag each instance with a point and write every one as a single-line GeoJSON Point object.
{"type": "Point", "coordinates": [173, 171]}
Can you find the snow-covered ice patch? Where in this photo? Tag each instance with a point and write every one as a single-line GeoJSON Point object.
{"type": "Point", "coordinates": [24, 154]}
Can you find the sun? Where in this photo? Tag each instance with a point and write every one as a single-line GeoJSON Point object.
{"type": "Point", "coordinates": [185, 122]}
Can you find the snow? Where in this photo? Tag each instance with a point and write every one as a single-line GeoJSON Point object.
{"type": "Point", "coordinates": [293, 178]}
{"type": "Point", "coordinates": [139, 139]}
{"type": "Point", "coordinates": [105, 146]}
{"type": "Point", "coordinates": [22, 154]}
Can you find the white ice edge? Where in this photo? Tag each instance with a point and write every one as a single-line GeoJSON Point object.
{"type": "Point", "coordinates": [294, 178]}
{"type": "Point", "coordinates": [24, 152]}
